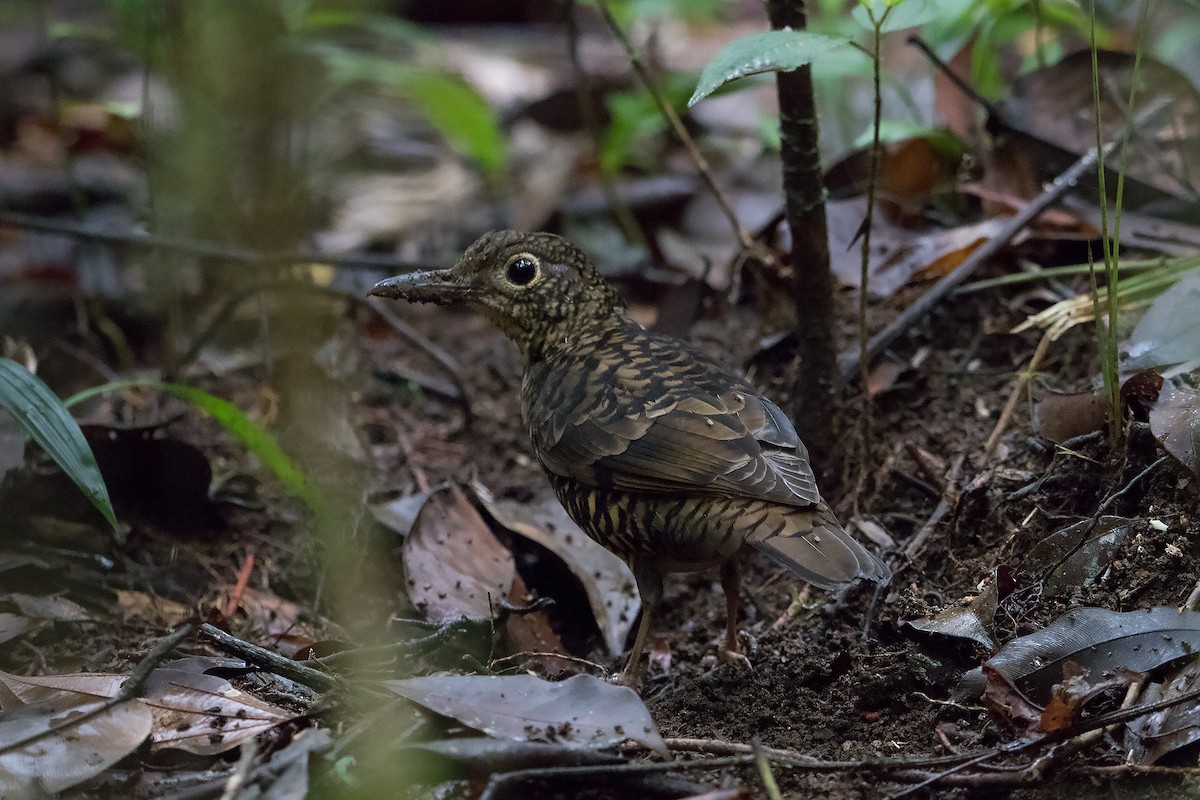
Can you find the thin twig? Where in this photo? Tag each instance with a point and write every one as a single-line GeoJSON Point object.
{"type": "Point", "coordinates": [239, 587]}
{"type": "Point", "coordinates": [587, 112]}
{"type": "Point", "coordinates": [128, 690]}
{"type": "Point", "coordinates": [949, 498]}
{"type": "Point", "coordinates": [425, 344]}
{"type": "Point", "coordinates": [1069, 447]}
{"type": "Point", "coordinates": [796, 760]}
{"type": "Point", "coordinates": [964, 87]}
{"type": "Point", "coordinates": [1014, 396]}
{"type": "Point", "coordinates": [1056, 737]}
{"type": "Point", "coordinates": [864, 363]}
{"type": "Point", "coordinates": [499, 782]}
{"type": "Point", "coordinates": [1132, 482]}
{"type": "Point", "coordinates": [272, 662]}
{"type": "Point", "coordinates": [583, 662]}
{"type": "Point", "coordinates": [407, 332]}
{"type": "Point", "coordinates": [201, 248]}
{"type": "Point", "coordinates": [668, 112]}
{"type": "Point", "coordinates": [849, 359]}
{"type": "Point", "coordinates": [409, 647]}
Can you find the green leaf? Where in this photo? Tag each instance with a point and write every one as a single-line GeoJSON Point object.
{"type": "Point", "coordinates": [635, 119]}
{"type": "Point", "coordinates": [943, 141]}
{"type": "Point", "coordinates": [458, 112]}
{"type": "Point", "coordinates": [450, 104]}
{"type": "Point", "coordinates": [768, 51]}
{"type": "Point", "coordinates": [901, 14]}
{"type": "Point", "coordinates": [46, 420]}
{"type": "Point", "coordinates": [231, 418]}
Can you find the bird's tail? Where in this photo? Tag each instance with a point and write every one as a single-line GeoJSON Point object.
{"type": "Point", "coordinates": [810, 542]}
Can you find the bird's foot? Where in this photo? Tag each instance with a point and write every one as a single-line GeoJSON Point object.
{"type": "Point", "coordinates": [736, 657]}
{"type": "Point", "coordinates": [627, 677]}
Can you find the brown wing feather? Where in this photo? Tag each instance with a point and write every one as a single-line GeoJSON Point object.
{"type": "Point", "coordinates": [811, 543]}
{"type": "Point", "coordinates": [659, 417]}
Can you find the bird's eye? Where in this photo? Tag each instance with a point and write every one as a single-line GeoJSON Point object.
{"type": "Point", "coordinates": [522, 270]}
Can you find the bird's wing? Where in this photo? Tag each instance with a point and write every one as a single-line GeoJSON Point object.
{"type": "Point", "coordinates": [666, 420]}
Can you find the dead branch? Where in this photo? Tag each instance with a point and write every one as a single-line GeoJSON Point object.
{"type": "Point", "coordinates": [849, 360]}
{"type": "Point", "coordinates": [499, 784]}
{"type": "Point", "coordinates": [201, 248]}
{"type": "Point", "coordinates": [265, 659]}
{"type": "Point", "coordinates": [130, 688]}
{"type": "Point", "coordinates": [408, 647]}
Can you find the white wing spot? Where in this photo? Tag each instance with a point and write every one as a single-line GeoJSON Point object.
{"type": "Point", "coordinates": [709, 422]}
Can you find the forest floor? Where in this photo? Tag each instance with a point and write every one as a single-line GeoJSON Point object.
{"type": "Point", "coordinates": [985, 548]}
{"type": "Point", "coordinates": [844, 678]}
{"type": "Point", "coordinates": [834, 677]}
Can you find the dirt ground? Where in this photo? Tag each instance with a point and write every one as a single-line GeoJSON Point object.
{"type": "Point", "coordinates": [817, 685]}
{"type": "Point", "coordinates": [213, 536]}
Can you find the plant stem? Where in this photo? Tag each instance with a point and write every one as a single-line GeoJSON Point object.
{"type": "Point", "coordinates": [587, 111]}
{"type": "Point", "coordinates": [864, 362]}
{"type": "Point", "coordinates": [1107, 335]}
{"type": "Point", "coordinates": [804, 192]}
{"type": "Point", "coordinates": [668, 112]}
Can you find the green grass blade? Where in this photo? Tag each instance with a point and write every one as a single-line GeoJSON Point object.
{"type": "Point", "coordinates": [46, 420]}
{"type": "Point", "coordinates": [257, 440]}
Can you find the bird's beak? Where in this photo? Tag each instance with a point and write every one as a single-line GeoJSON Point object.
{"type": "Point", "coordinates": [434, 286]}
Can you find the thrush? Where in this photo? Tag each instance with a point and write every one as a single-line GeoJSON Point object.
{"type": "Point", "coordinates": [665, 456]}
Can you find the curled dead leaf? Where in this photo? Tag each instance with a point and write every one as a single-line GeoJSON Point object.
{"type": "Point", "coordinates": [582, 711]}
{"type": "Point", "coordinates": [45, 748]}
{"type": "Point", "coordinates": [606, 579]}
{"type": "Point", "coordinates": [1175, 421]}
{"type": "Point", "coordinates": [454, 566]}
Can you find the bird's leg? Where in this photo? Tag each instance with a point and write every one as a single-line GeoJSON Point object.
{"type": "Point", "coordinates": [650, 587]}
{"type": "Point", "coordinates": [731, 582]}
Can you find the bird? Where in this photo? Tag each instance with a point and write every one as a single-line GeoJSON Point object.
{"type": "Point", "coordinates": [665, 456]}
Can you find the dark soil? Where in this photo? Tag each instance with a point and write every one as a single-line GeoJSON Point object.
{"type": "Point", "coordinates": [834, 677]}
{"type": "Point", "coordinates": [818, 686]}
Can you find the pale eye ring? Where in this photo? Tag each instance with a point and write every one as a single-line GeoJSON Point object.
{"type": "Point", "coordinates": [522, 270]}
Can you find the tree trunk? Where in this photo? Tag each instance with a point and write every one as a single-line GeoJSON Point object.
{"type": "Point", "coordinates": [805, 206]}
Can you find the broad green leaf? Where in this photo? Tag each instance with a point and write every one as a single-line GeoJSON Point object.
{"type": "Point", "coordinates": [389, 29]}
{"type": "Point", "coordinates": [459, 113]}
{"type": "Point", "coordinates": [636, 121]}
{"type": "Point", "coordinates": [942, 140]}
{"type": "Point", "coordinates": [768, 51]}
{"type": "Point", "coordinates": [635, 118]}
{"type": "Point", "coordinates": [450, 104]}
{"type": "Point", "coordinates": [46, 420]}
{"type": "Point", "coordinates": [901, 14]}
{"type": "Point", "coordinates": [233, 420]}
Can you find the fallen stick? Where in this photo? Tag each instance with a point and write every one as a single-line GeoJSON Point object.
{"type": "Point", "coordinates": [201, 248]}
{"type": "Point", "coordinates": [848, 361]}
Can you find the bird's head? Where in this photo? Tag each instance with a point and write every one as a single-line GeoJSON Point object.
{"type": "Point", "coordinates": [538, 288]}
